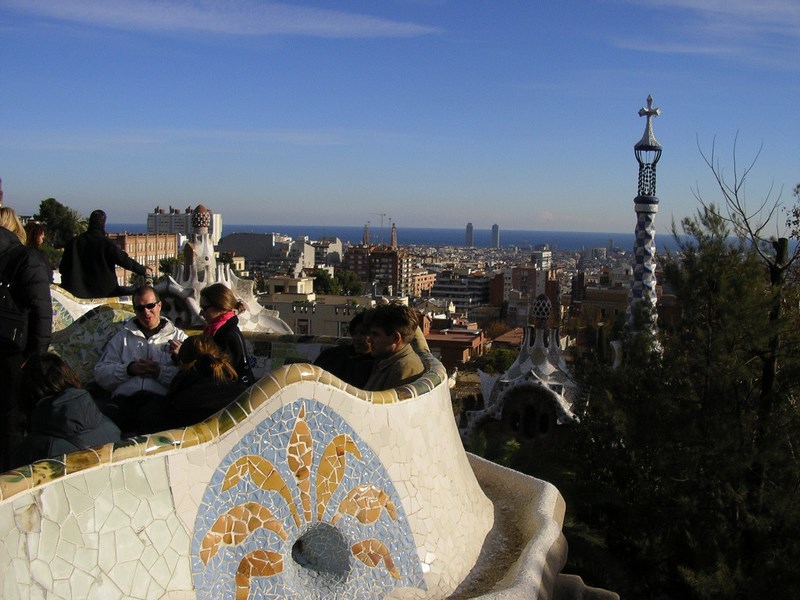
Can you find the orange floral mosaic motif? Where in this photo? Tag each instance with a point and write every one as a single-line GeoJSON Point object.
{"type": "Point", "coordinates": [361, 504]}
{"type": "Point", "coordinates": [372, 553]}
{"type": "Point", "coordinates": [235, 525]}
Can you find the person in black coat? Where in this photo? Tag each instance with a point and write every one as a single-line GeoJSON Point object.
{"type": "Point", "coordinates": [88, 267]}
{"type": "Point", "coordinates": [63, 417]}
{"type": "Point", "coordinates": [219, 307]}
{"type": "Point", "coordinates": [205, 384]}
{"type": "Point", "coordinates": [27, 279]}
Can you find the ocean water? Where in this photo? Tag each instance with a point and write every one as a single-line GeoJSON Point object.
{"type": "Point", "coordinates": [429, 236]}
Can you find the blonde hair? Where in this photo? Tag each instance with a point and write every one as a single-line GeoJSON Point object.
{"type": "Point", "coordinates": [10, 220]}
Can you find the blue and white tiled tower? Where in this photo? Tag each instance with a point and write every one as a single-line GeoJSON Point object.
{"type": "Point", "coordinates": [643, 288]}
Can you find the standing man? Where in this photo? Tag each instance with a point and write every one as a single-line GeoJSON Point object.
{"type": "Point", "coordinates": [88, 265]}
{"type": "Point", "coordinates": [138, 364]}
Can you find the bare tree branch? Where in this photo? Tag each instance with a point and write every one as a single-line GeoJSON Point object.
{"type": "Point", "coordinates": [745, 223]}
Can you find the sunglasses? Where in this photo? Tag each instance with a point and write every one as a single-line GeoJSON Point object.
{"type": "Point", "coordinates": [141, 307]}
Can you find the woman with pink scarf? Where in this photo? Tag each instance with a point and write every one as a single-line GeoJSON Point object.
{"type": "Point", "coordinates": [219, 307]}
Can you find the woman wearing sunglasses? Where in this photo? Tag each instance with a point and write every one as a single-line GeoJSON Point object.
{"type": "Point", "coordinates": [219, 307]}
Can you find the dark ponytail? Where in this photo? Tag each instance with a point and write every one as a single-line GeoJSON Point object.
{"type": "Point", "coordinates": [218, 368]}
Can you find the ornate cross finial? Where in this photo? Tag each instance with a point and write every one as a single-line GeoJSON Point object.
{"type": "Point", "coordinates": [648, 140]}
{"type": "Point", "coordinates": [649, 111]}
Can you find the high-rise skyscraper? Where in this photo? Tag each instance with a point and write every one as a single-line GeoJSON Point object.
{"type": "Point", "coordinates": [495, 236]}
{"type": "Point", "coordinates": [643, 288]}
{"type": "Point", "coordinates": [470, 238]}
{"type": "Point", "coordinates": [365, 237]}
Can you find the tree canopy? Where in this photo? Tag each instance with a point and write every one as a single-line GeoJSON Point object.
{"type": "Point", "coordinates": [668, 462]}
{"type": "Point", "coordinates": [677, 483]}
{"type": "Point", "coordinates": [344, 282]}
{"type": "Point", "coordinates": [349, 283]}
{"type": "Point", "coordinates": [496, 361]}
{"type": "Point", "coordinates": [61, 222]}
{"type": "Point", "coordinates": [324, 283]}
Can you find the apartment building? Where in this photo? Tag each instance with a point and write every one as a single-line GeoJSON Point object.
{"type": "Point", "coordinates": [147, 249]}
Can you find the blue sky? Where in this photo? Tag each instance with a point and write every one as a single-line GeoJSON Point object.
{"type": "Point", "coordinates": [433, 112]}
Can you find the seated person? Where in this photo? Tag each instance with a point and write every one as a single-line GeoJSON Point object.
{"type": "Point", "coordinates": [205, 384]}
{"type": "Point", "coordinates": [63, 417]}
{"type": "Point", "coordinates": [139, 362]}
{"type": "Point", "coordinates": [219, 307]}
{"type": "Point", "coordinates": [351, 363]}
{"type": "Point", "coordinates": [391, 329]}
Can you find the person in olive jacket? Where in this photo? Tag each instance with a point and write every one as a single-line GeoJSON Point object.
{"type": "Point", "coordinates": [88, 267]}
{"type": "Point", "coordinates": [392, 328]}
{"type": "Point", "coordinates": [63, 417]}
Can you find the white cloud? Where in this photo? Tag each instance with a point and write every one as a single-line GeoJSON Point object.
{"type": "Point", "coordinates": [773, 14]}
{"type": "Point", "coordinates": [232, 17]}
{"type": "Point", "coordinates": [766, 32]}
{"type": "Point", "coordinates": [199, 140]}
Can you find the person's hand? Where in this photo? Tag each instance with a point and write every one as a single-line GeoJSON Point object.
{"type": "Point", "coordinates": [173, 347]}
{"type": "Point", "coordinates": [144, 368]}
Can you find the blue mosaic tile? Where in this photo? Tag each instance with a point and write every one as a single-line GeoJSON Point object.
{"type": "Point", "coordinates": [258, 532]}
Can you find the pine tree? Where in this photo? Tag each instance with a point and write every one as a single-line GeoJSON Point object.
{"type": "Point", "coordinates": [669, 442]}
{"type": "Point", "coordinates": [61, 222]}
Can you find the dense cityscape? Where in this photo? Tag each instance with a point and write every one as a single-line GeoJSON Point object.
{"type": "Point", "coordinates": [460, 286]}
{"type": "Point", "coordinates": [552, 359]}
{"type": "Point", "coordinates": [354, 300]}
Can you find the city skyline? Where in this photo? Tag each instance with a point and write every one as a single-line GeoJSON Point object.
{"type": "Point", "coordinates": [422, 111]}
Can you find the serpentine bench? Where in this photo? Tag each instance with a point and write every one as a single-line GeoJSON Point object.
{"type": "Point", "coordinates": [304, 487]}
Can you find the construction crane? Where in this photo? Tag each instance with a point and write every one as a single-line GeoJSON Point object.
{"type": "Point", "coordinates": [381, 216]}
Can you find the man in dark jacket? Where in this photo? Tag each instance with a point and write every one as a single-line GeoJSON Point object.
{"type": "Point", "coordinates": [88, 265]}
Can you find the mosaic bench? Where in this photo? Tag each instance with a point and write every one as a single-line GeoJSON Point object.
{"type": "Point", "coordinates": [304, 487]}
{"type": "Point", "coordinates": [80, 343]}
{"type": "Point", "coordinates": [68, 309]}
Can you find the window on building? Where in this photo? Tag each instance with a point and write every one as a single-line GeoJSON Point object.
{"type": "Point", "coordinates": [302, 327]}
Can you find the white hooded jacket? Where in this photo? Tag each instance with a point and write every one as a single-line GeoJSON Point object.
{"type": "Point", "coordinates": [130, 344]}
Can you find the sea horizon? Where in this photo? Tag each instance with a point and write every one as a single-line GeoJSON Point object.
{"type": "Point", "coordinates": [435, 236]}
